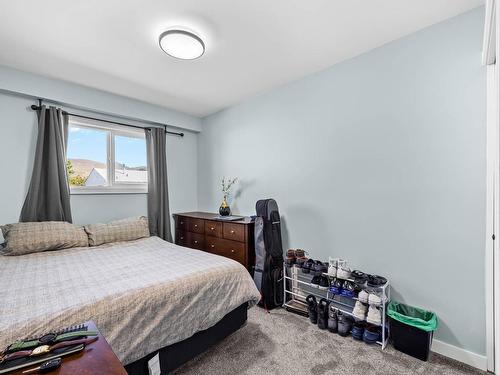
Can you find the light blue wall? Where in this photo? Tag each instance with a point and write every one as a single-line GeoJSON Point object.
{"type": "Point", "coordinates": [380, 160]}
{"type": "Point", "coordinates": [18, 136]}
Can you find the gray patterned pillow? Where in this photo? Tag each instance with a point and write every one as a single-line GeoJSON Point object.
{"type": "Point", "coordinates": [26, 238]}
{"type": "Point", "coordinates": [129, 229]}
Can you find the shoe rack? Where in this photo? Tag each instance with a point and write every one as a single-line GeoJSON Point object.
{"type": "Point", "coordinates": [298, 286]}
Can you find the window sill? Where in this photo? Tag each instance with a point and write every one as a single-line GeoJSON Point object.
{"type": "Point", "coordinates": [107, 191]}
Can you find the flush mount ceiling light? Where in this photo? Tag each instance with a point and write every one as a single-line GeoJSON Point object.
{"type": "Point", "coordinates": [182, 44]}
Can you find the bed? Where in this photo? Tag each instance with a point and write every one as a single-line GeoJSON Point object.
{"type": "Point", "coordinates": [143, 295]}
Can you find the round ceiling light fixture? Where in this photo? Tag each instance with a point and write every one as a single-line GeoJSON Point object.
{"type": "Point", "coordinates": [182, 44]}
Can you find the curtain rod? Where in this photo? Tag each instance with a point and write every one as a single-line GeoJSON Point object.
{"type": "Point", "coordinates": [38, 107]}
{"type": "Point", "coordinates": [153, 123]}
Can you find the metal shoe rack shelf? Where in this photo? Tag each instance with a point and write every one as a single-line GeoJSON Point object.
{"type": "Point", "coordinates": [297, 287]}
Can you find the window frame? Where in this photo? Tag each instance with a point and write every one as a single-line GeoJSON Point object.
{"type": "Point", "coordinates": [112, 131]}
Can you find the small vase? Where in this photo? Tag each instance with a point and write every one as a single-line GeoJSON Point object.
{"type": "Point", "coordinates": [224, 209]}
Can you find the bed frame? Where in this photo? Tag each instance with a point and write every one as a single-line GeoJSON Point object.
{"type": "Point", "coordinates": [173, 356]}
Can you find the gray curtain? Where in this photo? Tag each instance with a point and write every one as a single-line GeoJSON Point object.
{"type": "Point", "coordinates": [48, 194]}
{"type": "Point", "coordinates": [158, 209]}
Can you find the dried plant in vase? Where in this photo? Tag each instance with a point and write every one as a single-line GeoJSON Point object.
{"type": "Point", "coordinates": [224, 209]}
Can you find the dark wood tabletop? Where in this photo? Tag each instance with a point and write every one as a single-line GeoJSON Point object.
{"type": "Point", "coordinates": [96, 359]}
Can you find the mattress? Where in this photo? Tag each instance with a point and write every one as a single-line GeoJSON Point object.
{"type": "Point", "coordinates": [142, 295]}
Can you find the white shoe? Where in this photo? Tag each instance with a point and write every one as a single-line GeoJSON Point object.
{"type": "Point", "coordinates": [344, 272]}
{"type": "Point", "coordinates": [359, 311]}
{"type": "Point", "coordinates": [374, 300]}
{"type": "Point", "coordinates": [374, 316]}
{"type": "Point", "coordinates": [363, 296]}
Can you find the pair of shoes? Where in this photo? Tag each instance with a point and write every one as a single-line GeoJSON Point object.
{"type": "Point", "coordinates": [358, 330]}
{"type": "Point", "coordinates": [371, 334]}
{"type": "Point", "coordinates": [374, 316]}
{"type": "Point", "coordinates": [297, 256]}
{"type": "Point", "coordinates": [333, 265]}
{"type": "Point", "coordinates": [344, 324]}
{"type": "Point", "coordinates": [369, 298]}
{"type": "Point", "coordinates": [360, 310]}
{"type": "Point", "coordinates": [312, 308]}
{"type": "Point", "coordinates": [332, 319]}
{"type": "Point", "coordinates": [323, 313]}
{"type": "Point", "coordinates": [342, 287]}
{"type": "Point", "coordinates": [321, 281]}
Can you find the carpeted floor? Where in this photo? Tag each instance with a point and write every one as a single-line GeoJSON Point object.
{"type": "Point", "coordinates": [285, 343]}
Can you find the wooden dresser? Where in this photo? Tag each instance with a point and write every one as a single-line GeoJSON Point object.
{"type": "Point", "coordinates": [203, 231]}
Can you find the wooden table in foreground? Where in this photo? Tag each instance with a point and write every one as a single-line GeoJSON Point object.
{"type": "Point", "coordinates": [96, 359]}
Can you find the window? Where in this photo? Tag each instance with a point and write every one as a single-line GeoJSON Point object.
{"type": "Point", "coordinates": [106, 158]}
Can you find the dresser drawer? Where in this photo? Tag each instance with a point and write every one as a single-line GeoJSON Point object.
{"type": "Point", "coordinates": [181, 223]}
{"type": "Point", "coordinates": [196, 225]}
{"type": "Point", "coordinates": [229, 249]}
{"type": "Point", "coordinates": [181, 238]}
{"type": "Point", "coordinates": [196, 241]}
{"type": "Point", "coordinates": [213, 228]}
{"type": "Point", "coordinates": [234, 232]}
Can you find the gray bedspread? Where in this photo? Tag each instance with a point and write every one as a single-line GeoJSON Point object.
{"type": "Point", "coordinates": [142, 295]}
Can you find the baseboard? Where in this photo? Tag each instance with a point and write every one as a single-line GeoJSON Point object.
{"type": "Point", "coordinates": [461, 355]}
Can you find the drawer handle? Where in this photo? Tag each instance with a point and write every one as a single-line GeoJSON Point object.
{"type": "Point", "coordinates": [232, 232]}
{"type": "Point", "coordinates": [196, 225]}
{"type": "Point", "coordinates": [212, 246]}
{"type": "Point", "coordinates": [182, 222]}
{"type": "Point", "coordinates": [182, 238]}
{"type": "Point", "coordinates": [232, 251]}
{"type": "Point", "coordinates": [212, 228]}
{"type": "Point", "coordinates": [195, 241]}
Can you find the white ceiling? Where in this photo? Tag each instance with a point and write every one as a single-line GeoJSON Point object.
{"type": "Point", "coordinates": [252, 45]}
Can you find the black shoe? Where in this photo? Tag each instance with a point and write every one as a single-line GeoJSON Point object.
{"type": "Point", "coordinates": [316, 280]}
{"type": "Point", "coordinates": [306, 266]}
{"type": "Point", "coordinates": [344, 324]}
{"type": "Point", "coordinates": [323, 313]}
{"type": "Point", "coordinates": [332, 319]}
{"type": "Point", "coordinates": [324, 283]}
{"type": "Point", "coordinates": [312, 308]}
{"type": "Point", "coordinates": [319, 267]}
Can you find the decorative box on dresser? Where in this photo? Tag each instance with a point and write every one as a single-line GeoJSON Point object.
{"type": "Point", "coordinates": [203, 231]}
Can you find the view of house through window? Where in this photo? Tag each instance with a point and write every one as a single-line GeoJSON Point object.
{"type": "Point", "coordinates": [102, 157]}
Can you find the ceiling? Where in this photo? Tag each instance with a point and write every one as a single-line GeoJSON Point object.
{"type": "Point", "coordinates": [251, 46]}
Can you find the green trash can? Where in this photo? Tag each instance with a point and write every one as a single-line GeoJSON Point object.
{"type": "Point", "coordinates": [412, 329]}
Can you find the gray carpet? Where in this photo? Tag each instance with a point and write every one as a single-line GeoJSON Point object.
{"type": "Point", "coordinates": [285, 343]}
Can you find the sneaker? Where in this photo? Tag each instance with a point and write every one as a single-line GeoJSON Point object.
{"type": "Point", "coordinates": [374, 316]}
{"type": "Point", "coordinates": [336, 286]}
{"type": "Point", "coordinates": [374, 300]}
{"type": "Point", "coordinates": [371, 334]}
{"type": "Point", "coordinates": [290, 257]}
{"type": "Point", "coordinates": [323, 313]}
{"type": "Point", "coordinates": [363, 296]}
{"type": "Point", "coordinates": [376, 281]}
{"type": "Point", "coordinates": [316, 280]}
{"type": "Point", "coordinates": [319, 268]}
{"type": "Point", "coordinates": [360, 311]}
{"type": "Point", "coordinates": [324, 283]}
{"type": "Point", "coordinates": [312, 308]}
{"type": "Point", "coordinates": [332, 267]}
{"type": "Point", "coordinates": [306, 266]}
{"type": "Point", "coordinates": [332, 319]}
{"type": "Point", "coordinates": [358, 329]}
{"type": "Point", "coordinates": [344, 323]}
{"type": "Point", "coordinates": [344, 272]}
{"type": "Point", "coordinates": [359, 278]}
{"type": "Point", "coordinates": [348, 289]}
